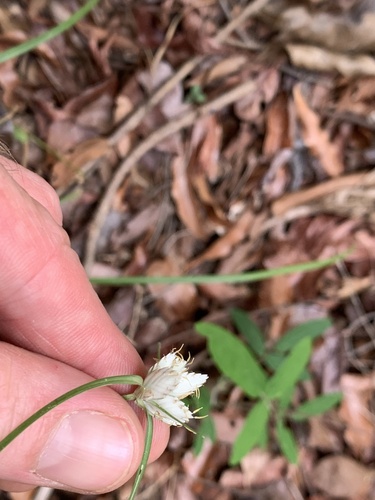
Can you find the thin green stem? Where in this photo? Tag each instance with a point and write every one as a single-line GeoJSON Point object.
{"type": "Point", "coordinates": [118, 379]}
{"type": "Point", "coordinates": [219, 278]}
{"type": "Point", "coordinates": [24, 47]}
{"type": "Point", "coordinates": [146, 453]}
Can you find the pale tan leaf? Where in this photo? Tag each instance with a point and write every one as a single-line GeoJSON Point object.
{"type": "Point", "coordinates": [318, 59]}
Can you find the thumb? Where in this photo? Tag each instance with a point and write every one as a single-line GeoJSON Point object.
{"type": "Point", "coordinates": [91, 443]}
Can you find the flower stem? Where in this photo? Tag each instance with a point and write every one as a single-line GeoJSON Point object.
{"type": "Point", "coordinates": [146, 453]}
{"type": "Point", "coordinates": [118, 379]}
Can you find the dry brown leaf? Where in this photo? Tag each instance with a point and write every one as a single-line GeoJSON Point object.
{"type": "Point", "coordinates": [224, 245]}
{"type": "Point", "coordinates": [65, 135]}
{"type": "Point", "coordinates": [352, 286]}
{"type": "Point", "coordinates": [186, 203]}
{"type": "Point", "coordinates": [342, 477]}
{"type": "Point", "coordinates": [227, 429]}
{"type": "Point", "coordinates": [230, 479]}
{"type": "Point", "coordinates": [358, 97]}
{"type": "Point", "coordinates": [203, 169]}
{"type": "Point", "coordinates": [195, 465]}
{"type": "Point", "coordinates": [144, 221]}
{"type": "Point", "coordinates": [206, 142]}
{"type": "Point", "coordinates": [322, 436]}
{"type": "Point", "coordinates": [173, 103]}
{"type": "Point", "coordinates": [317, 59]}
{"type": "Point", "coordinates": [215, 217]}
{"type": "Point", "coordinates": [277, 178]}
{"type": "Point", "coordinates": [176, 302]}
{"type": "Point", "coordinates": [355, 412]}
{"type": "Point", "coordinates": [316, 138]}
{"type": "Point", "coordinates": [260, 468]}
{"type": "Point", "coordinates": [10, 82]}
{"type": "Point", "coordinates": [289, 201]}
{"type": "Point", "coordinates": [249, 108]}
{"type": "Point", "coordinates": [348, 30]}
{"type": "Point", "coordinates": [243, 256]}
{"type": "Point", "coordinates": [78, 162]}
{"type": "Point", "coordinates": [222, 69]}
{"type": "Point", "coordinates": [223, 292]}
{"type": "Point", "coordinates": [277, 126]}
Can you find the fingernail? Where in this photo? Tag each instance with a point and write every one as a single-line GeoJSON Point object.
{"type": "Point", "coordinates": [88, 451]}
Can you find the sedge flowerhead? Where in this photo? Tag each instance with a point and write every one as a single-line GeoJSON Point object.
{"type": "Point", "coordinates": [168, 382]}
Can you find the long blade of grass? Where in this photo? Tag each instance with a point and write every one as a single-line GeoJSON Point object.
{"type": "Point", "coordinates": [25, 47]}
{"type": "Point", "coordinates": [218, 278]}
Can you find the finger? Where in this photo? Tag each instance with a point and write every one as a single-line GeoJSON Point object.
{"type": "Point", "coordinates": [36, 187]}
{"type": "Point", "coordinates": [47, 304]}
{"type": "Point", "coordinates": [91, 443]}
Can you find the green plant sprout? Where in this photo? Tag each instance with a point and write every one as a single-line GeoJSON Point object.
{"type": "Point", "coordinates": [268, 376]}
{"type": "Point", "coordinates": [160, 395]}
{"type": "Point", "coordinates": [29, 45]}
{"type": "Point", "coordinates": [196, 95]}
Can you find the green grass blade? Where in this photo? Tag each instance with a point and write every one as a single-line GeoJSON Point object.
{"type": "Point", "coordinates": [29, 45]}
{"type": "Point", "coordinates": [249, 277]}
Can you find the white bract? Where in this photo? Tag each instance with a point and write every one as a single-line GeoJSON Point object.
{"type": "Point", "coordinates": [166, 384]}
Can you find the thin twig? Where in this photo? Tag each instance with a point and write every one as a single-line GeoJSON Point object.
{"type": "Point", "coordinates": [248, 11]}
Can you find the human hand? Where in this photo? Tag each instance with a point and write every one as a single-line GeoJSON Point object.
{"type": "Point", "coordinates": [54, 336]}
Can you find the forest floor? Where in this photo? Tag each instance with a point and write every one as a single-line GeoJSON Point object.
{"type": "Point", "coordinates": [217, 137]}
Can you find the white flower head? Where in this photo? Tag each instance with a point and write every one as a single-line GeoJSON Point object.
{"type": "Point", "coordinates": [166, 384]}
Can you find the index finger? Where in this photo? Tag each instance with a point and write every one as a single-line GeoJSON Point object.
{"type": "Point", "coordinates": [47, 304]}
